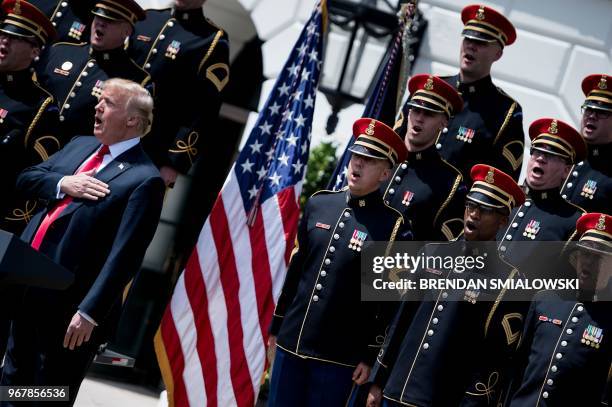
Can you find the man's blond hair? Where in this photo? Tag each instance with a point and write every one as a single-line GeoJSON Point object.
{"type": "Point", "coordinates": [139, 101]}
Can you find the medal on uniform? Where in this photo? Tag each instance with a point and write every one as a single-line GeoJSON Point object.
{"type": "Point", "coordinates": [588, 189]}
{"type": "Point", "coordinates": [96, 91]}
{"type": "Point", "coordinates": [532, 229]}
{"type": "Point", "coordinates": [65, 68]}
{"type": "Point", "coordinates": [3, 113]}
{"type": "Point", "coordinates": [553, 321]}
{"type": "Point", "coordinates": [143, 38]}
{"type": "Point", "coordinates": [465, 134]}
{"type": "Point", "coordinates": [322, 225]}
{"type": "Point", "coordinates": [76, 30]}
{"type": "Point", "coordinates": [407, 198]}
{"type": "Point", "coordinates": [357, 240]}
{"type": "Point", "coordinates": [173, 49]}
{"type": "Point", "coordinates": [592, 336]}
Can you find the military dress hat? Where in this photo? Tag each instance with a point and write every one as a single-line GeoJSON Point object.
{"type": "Point", "coordinates": [494, 188]}
{"type": "Point", "coordinates": [118, 10]}
{"type": "Point", "coordinates": [553, 136]}
{"type": "Point", "coordinates": [598, 92]}
{"type": "Point", "coordinates": [22, 19]}
{"type": "Point", "coordinates": [432, 93]}
{"type": "Point", "coordinates": [482, 23]}
{"type": "Point", "coordinates": [377, 140]}
{"type": "Point", "coordinates": [595, 231]}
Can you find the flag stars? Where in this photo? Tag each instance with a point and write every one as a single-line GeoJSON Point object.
{"type": "Point", "coordinates": [311, 28]}
{"type": "Point", "coordinates": [299, 121]}
{"type": "Point", "coordinates": [265, 128]}
{"type": "Point", "coordinates": [293, 69]}
{"type": "Point", "coordinates": [304, 148]}
{"type": "Point", "coordinates": [274, 109]}
{"type": "Point", "coordinates": [247, 166]}
{"type": "Point", "coordinates": [261, 173]}
{"type": "Point", "coordinates": [297, 94]}
{"type": "Point", "coordinates": [302, 49]}
{"type": "Point", "coordinates": [252, 192]}
{"type": "Point", "coordinates": [305, 75]}
{"type": "Point", "coordinates": [309, 102]}
{"type": "Point", "coordinates": [275, 178]}
{"type": "Point", "coordinates": [313, 55]}
{"type": "Point", "coordinates": [270, 153]}
{"type": "Point", "coordinates": [287, 114]}
{"type": "Point", "coordinates": [256, 147]}
{"type": "Point", "coordinates": [292, 140]}
{"type": "Point", "coordinates": [284, 159]}
{"type": "Point", "coordinates": [284, 89]}
{"type": "Point", "coordinates": [297, 167]}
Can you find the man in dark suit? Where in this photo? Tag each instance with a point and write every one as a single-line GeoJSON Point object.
{"type": "Point", "coordinates": [104, 197]}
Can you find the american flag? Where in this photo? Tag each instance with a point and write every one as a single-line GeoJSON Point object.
{"type": "Point", "coordinates": [211, 343]}
{"type": "Point", "coordinates": [386, 92]}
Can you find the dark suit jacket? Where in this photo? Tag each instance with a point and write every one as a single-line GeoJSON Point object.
{"type": "Point", "coordinates": [102, 242]}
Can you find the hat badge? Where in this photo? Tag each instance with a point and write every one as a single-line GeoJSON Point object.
{"type": "Point", "coordinates": [490, 178]}
{"type": "Point", "coordinates": [17, 7]}
{"type": "Point", "coordinates": [429, 84]}
{"type": "Point", "coordinates": [601, 223]}
{"type": "Point", "coordinates": [603, 85]}
{"type": "Point", "coordinates": [480, 15]}
{"type": "Point", "coordinates": [370, 130]}
{"type": "Point", "coordinates": [553, 128]}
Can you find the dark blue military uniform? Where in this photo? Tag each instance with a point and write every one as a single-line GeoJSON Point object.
{"type": "Point", "coordinates": [560, 365]}
{"type": "Point", "coordinates": [431, 195]}
{"type": "Point", "coordinates": [489, 129]}
{"type": "Point", "coordinates": [545, 216]}
{"type": "Point", "coordinates": [589, 184]}
{"type": "Point", "coordinates": [188, 57]}
{"type": "Point", "coordinates": [453, 347]}
{"type": "Point", "coordinates": [28, 136]}
{"type": "Point", "coordinates": [74, 74]}
{"type": "Point", "coordinates": [71, 18]}
{"type": "Point", "coordinates": [319, 314]}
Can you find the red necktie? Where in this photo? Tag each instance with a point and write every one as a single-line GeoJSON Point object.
{"type": "Point", "coordinates": [92, 164]}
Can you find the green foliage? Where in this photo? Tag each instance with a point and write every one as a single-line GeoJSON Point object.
{"type": "Point", "coordinates": [321, 165]}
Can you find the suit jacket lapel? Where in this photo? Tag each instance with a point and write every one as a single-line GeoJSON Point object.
{"type": "Point", "coordinates": [112, 170]}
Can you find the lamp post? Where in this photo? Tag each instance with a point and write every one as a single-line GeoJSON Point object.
{"type": "Point", "coordinates": [361, 32]}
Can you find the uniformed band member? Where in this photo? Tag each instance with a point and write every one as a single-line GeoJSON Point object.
{"type": "Point", "coordinates": [188, 58]}
{"type": "Point", "coordinates": [489, 129]}
{"type": "Point", "coordinates": [74, 73]}
{"type": "Point", "coordinates": [589, 184]}
{"type": "Point", "coordinates": [545, 215]}
{"type": "Point", "coordinates": [565, 348]}
{"type": "Point", "coordinates": [425, 188]}
{"type": "Point", "coordinates": [324, 331]}
{"type": "Point", "coordinates": [28, 114]}
{"type": "Point", "coordinates": [28, 117]}
{"type": "Point", "coordinates": [454, 347]}
{"type": "Point", "coordinates": [71, 18]}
